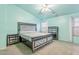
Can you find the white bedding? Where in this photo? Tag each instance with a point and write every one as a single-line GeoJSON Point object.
{"type": "Point", "coordinates": [30, 34]}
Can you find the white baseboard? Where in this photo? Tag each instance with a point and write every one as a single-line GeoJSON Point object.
{"type": "Point", "coordinates": [2, 48]}
{"type": "Point", "coordinates": [66, 41]}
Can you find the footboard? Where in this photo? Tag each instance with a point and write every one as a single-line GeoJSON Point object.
{"type": "Point", "coordinates": [39, 42]}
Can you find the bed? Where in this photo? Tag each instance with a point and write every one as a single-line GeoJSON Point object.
{"type": "Point", "coordinates": [29, 36]}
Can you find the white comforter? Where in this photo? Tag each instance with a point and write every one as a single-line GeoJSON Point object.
{"type": "Point", "coordinates": [33, 34]}
{"type": "Point", "coordinates": [29, 34]}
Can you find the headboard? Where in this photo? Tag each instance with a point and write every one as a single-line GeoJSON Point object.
{"type": "Point", "coordinates": [26, 27]}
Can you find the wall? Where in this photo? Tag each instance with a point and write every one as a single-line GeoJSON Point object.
{"type": "Point", "coordinates": [2, 27]}
{"type": "Point", "coordinates": [63, 22]}
{"type": "Point", "coordinates": [16, 14]}
{"type": "Point", "coordinates": [10, 15]}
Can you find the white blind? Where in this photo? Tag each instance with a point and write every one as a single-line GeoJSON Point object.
{"type": "Point", "coordinates": [44, 27]}
{"type": "Point", "coordinates": [75, 28]}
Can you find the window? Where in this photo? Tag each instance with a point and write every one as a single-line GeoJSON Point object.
{"type": "Point", "coordinates": [75, 26]}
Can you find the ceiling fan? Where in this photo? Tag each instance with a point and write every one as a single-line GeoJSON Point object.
{"type": "Point", "coordinates": [46, 9]}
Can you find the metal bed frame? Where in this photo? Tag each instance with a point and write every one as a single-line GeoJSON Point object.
{"type": "Point", "coordinates": [34, 39]}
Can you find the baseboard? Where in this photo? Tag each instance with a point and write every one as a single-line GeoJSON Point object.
{"type": "Point", "coordinates": [65, 41]}
{"type": "Point", "coordinates": [2, 48]}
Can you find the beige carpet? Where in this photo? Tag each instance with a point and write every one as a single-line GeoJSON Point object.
{"type": "Point", "coordinates": [54, 48]}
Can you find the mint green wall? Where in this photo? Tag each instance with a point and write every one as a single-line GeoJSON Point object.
{"type": "Point", "coordinates": [63, 23]}
{"type": "Point", "coordinates": [2, 27]}
{"type": "Point", "coordinates": [9, 16]}
{"type": "Point", "coordinates": [64, 28]}
{"type": "Point", "coordinates": [16, 14]}
{"type": "Point", "coordinates": [76, 40]}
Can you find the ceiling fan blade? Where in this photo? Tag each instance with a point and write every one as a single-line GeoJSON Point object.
{"type": "Point", "coordinates": [40, 11]}
{"type": "Point", "coordinates": [53, 12]}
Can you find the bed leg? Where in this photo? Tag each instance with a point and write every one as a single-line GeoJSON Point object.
{"type": "Point", "coordinates": [20, 39]}
{"type": "Point", "coordinates": [33, 44]}
{"type": "Point", "coordinates": [33, 50]}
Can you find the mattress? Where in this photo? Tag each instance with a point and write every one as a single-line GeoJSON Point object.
{"type": "Point", "coordinates": [30, 34]}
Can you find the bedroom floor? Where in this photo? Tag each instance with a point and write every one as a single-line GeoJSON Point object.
{"type": "Point", "coordinates": [54, 48]}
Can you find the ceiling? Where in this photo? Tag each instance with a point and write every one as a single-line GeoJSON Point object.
{"type": "Point", "coordinates": [60, 9]}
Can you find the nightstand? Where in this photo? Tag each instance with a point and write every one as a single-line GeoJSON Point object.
{"type": "Point", "coordinates": [12, 39]}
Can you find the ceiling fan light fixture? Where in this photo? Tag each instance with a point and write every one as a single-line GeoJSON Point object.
{"type": "Point", "coordinates": [44, 7]}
